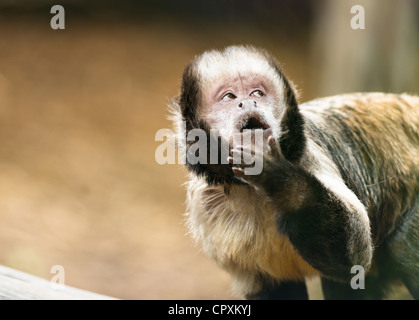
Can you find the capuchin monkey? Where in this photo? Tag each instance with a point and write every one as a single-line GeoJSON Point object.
{"type": "Point", "coordinates": [339, 185]}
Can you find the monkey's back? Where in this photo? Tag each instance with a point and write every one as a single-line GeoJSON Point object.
{"type": "Point", "coordinates": [373, 138]}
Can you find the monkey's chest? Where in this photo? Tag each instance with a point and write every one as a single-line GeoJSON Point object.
{"type": "Point", "coordinates": [283, 262]}
{"type": "Point", "coordinates": [267, 251]}
{"type": "Point", "coordinates": [240, 234]}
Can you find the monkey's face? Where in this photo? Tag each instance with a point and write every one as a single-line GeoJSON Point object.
{"type": "Point", "coordinates": [241, 88]}
{"type": "Point", "coordinates": [241, 101]}
{"type": "Point", "coordinates": [230, 91]}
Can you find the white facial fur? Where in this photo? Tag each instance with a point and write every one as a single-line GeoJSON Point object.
{"type": "Point", "coordinates": [248, 77]}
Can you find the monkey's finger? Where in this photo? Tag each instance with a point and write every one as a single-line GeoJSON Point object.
{"type": "Point", "coordinates": [236, 158]}
{"type": "Point", "coordinates": [236, 154]}
{"type": "Point", "coordinates": [233, 160]}
{"type": "Point", "coordinates": [239, 162]}
{"type": "Point", "coordinates": [246, 150]}
{"type": "Point", "coordinates": [273, 146]}
{"type": "Point", "coordinates": [238, 171]}
{"type": "Point", "coordinates": [239, 147]}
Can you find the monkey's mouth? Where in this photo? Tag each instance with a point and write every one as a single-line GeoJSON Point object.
{"type": "Point", "coordinates": [253, 123]}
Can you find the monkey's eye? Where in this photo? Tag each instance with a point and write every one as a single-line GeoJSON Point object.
{"type": "Point", "coordinates": [257, 93]}
{"type": "Point", "coordinates": [228, 97]}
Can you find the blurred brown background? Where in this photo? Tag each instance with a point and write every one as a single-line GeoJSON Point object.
{"type": "Point", "coordinates": [79, 109]}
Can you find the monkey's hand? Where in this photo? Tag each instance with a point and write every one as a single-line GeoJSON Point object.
{"type": "Point", "coordinates": [257, 164]}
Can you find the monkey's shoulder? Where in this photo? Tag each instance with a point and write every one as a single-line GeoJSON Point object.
{"type": "Point", "coordinates": [367, 105]}
{"type": "Point", "coordinates": [382, 124]}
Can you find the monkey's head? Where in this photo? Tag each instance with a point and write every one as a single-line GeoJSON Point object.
{"type": "Point", "coordinates": [230, 91]}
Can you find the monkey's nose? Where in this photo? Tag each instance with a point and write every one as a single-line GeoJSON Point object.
{"type": "Point", "coordinates": [245, 104]}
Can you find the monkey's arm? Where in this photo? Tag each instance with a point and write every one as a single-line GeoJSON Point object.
{"type": "Point", "coordinates": [329, 230]}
